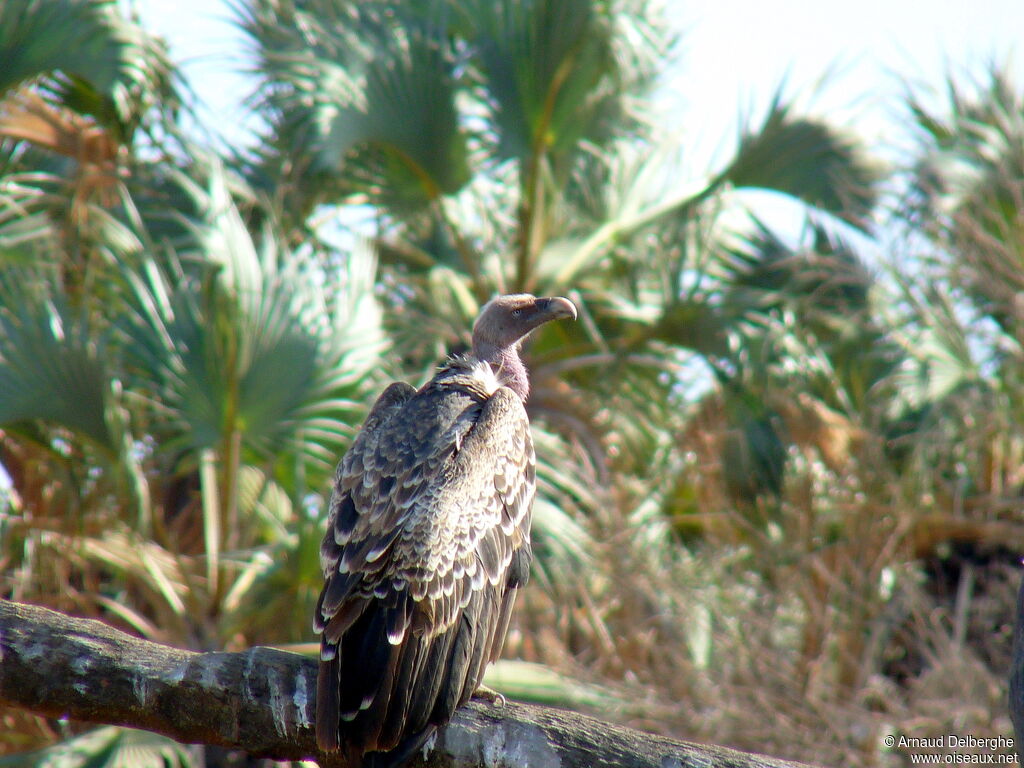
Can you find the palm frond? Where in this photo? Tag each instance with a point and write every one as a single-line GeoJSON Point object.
{"type": "Point", "coordinates": [52, 363]}
{"type": "Point", "coordinates": [808, 160]}
{"type": "Point", "coordinates": [540, 63]}
{"type": "Point", "coordinates": [557, 74]}
{"type": "Point", "coordinates": [107, 747]}
{"type": "Point", "coordinates": [69, 35]}
{"type": "Point", "coordinates": [365, 92]}
{"type": "Point", "coordinates": [967, 194]}
{"type": "Point", "coordinates": [241, 336]}
{"type": "Point", "coordinates": [89, 58]}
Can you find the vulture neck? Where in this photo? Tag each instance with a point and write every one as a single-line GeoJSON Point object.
{"type": "Point", "coordinates": [507, 366]}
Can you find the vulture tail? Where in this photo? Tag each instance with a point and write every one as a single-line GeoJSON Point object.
{"type": "Point", "coordinates": [401, 754]}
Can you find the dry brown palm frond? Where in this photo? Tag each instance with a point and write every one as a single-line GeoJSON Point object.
{"type": "Point", "coordinates": [27, 116]}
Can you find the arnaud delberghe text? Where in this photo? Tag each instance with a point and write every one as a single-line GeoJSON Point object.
{"type": "Point", "coordinates": [955, 741]}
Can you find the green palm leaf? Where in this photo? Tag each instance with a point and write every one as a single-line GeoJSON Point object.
{"type": "Point", "coordinates": [238, 338]}
{"type": "Point", "coordinates": [967, 190]}
{"type": "Point", "coordinates": [804, 159]}
{"type": "Point", "coordinates": [808, 160]}
{"type": "Point", "coordinates": [540, 62]}
{"type": "Point", "coordinates": [366, 91]}
{"type": "Point", "coordinates": [107, 747]}
{"type": "Point", "coordinates": [51, 362]}
{"type": "Point", "coordinates": [89, 57]}
{"type": "Point", "coordinates": [402, 108]}
{"type": "Point", "coordinates": [71, 36]}
{"type": "Point", "coordinates": [557, 72]}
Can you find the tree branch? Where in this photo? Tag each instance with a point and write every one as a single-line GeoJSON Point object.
{"type": "Point", "coordinates": [262, 701]}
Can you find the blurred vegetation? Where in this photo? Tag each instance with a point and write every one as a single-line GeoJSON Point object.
{"type": "Point", "coordinates": [780, 483]}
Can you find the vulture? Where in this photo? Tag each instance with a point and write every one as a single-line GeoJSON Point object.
{"type": "Point", "coordinates": [427, 543]}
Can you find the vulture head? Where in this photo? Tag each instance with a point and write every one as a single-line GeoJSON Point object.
{"type": "Point", "coordinates": [503, 324]}
{"type": "Point", "coordinates": [506, 320]}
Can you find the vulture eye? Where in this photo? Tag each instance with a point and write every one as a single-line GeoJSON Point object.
{"type": "Point", "coordinates": [516, 312]}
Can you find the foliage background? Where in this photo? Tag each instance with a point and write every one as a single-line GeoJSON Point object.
{"type": "Point", "coordinates": [780, 481]}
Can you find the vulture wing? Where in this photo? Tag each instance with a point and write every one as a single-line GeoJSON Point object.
{"type": "Point", "coordinates": [427, 541]}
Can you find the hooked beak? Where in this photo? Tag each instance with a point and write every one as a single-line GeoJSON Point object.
{"type": "Point", "coordinates": [556, 307]}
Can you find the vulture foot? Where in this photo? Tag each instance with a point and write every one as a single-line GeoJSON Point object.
{"type": "Point", "coordinates": [489, 695]}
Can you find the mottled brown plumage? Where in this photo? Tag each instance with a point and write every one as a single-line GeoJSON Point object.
{"type": "Point", "coordinates": [427, 543]}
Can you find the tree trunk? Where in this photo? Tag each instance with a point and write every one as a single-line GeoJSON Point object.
{"type": "Point", "coordinates": [262, 701]}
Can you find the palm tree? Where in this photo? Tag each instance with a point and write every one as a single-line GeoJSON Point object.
{"type": "Point", "coordinates": [80, 84]}
{"type": "Point", "coordinates": [966, 197]}
{"type": "Point", "coordinates": [176, 388]}
{"type": "Point", "coordinates": [505, 146]}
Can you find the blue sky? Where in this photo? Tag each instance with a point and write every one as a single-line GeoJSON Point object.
{"type": "Point", "coordinates": [735, 53]}
{"type": "Point", "coordinates": [866, 49]}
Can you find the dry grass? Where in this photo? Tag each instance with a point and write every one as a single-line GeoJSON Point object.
{"type": "Point", "coordinates": [811, 638]}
